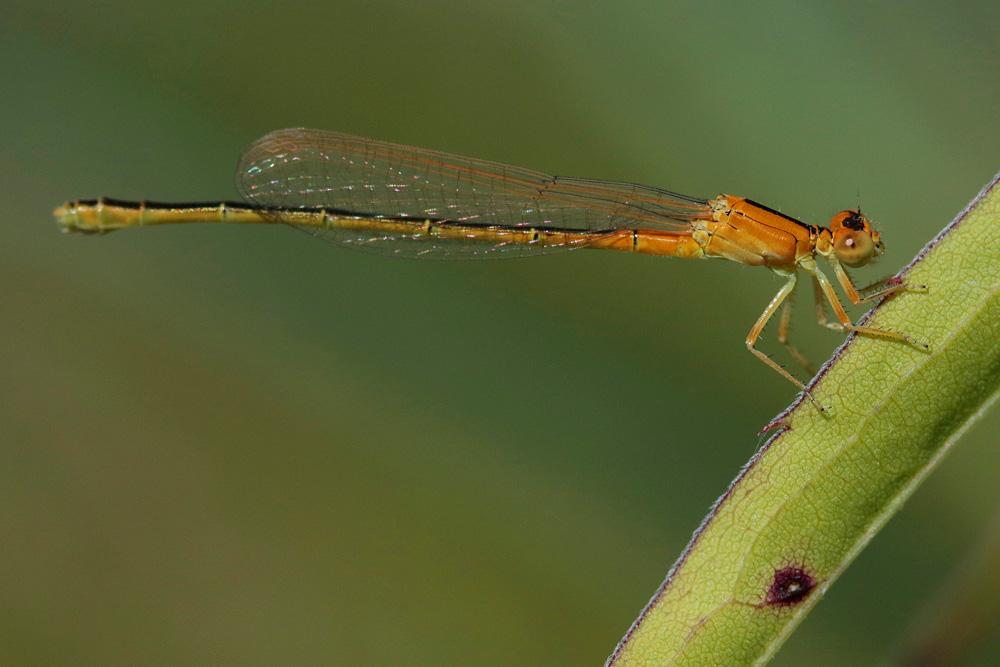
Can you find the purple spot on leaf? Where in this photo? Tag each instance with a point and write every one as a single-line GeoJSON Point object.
{"type": "Point", "coordinates": [791, 585]}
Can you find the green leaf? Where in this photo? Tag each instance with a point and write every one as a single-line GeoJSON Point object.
{"type": "Point", "coordinates": [819, 490]}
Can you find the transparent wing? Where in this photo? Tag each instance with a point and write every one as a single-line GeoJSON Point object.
{"type": "Point", "coordinates": [483, 203]}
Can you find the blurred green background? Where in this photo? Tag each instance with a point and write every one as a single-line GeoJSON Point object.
{"type": "Point", "coordinates": [244, 446]}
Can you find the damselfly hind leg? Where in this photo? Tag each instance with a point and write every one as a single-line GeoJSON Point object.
{"type": "Point", "coordinates": [776, 302]}
{"type": "Point", "coordinates": [784, 324]}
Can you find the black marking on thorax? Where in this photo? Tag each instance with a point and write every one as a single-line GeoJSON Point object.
{"type": "Point", "coordinates": [811, 228]}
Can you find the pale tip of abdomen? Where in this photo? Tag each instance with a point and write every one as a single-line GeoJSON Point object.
{"type": "Point", "coordinates": [65, 217]}
{"type": "Point", "coordinates": [71, 222]}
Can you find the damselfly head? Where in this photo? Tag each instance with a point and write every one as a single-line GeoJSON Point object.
{"type": "Point", "coordinates": [855, 243]}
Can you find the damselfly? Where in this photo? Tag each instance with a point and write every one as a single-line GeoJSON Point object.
{"type": "Point", "coordinates": [398, 200]}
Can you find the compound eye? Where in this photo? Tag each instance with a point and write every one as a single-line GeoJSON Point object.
{"type": "Point", "coordinates": [854, 248]}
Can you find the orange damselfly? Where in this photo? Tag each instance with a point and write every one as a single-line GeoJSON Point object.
{"type": "Point", "coordinates": [404, 201]}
